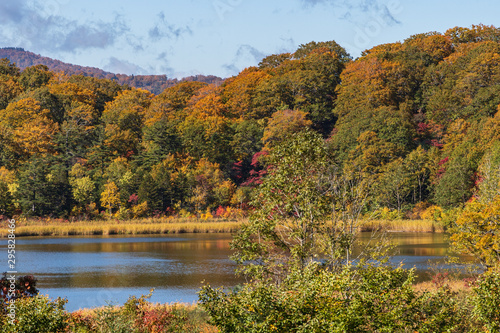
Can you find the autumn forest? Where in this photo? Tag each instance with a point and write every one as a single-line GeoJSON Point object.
{"type": "Point", "coordinates": [419, 118]}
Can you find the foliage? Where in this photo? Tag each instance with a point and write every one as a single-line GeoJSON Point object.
{"type": "Point", "coordinates": [140, 316]}
{"type": "Point", "coordinates": [417, 121]}
{"type": "Point", "coordinates": [38, 314]}
{"type": "Point", "coordinates": [24, 286]}
{"type": "Point", "coordinates": [110, 197]}
{"type": "Point", "coordinates": [475, 231]}
{"type": "Point", "coordinates": [355, 299]}
{"type": "Point", "coordinates": [486, 300]}
{"type": "Point", "coordinates": [293, 204]}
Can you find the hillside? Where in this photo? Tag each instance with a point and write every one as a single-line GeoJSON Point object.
{"type": "Point", "coordinates": [154, 83]}
{"type": "Point", "coordinates": [417, 122]}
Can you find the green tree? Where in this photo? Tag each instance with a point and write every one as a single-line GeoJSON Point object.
{"type": "Point", "coordinates": [489, 172]}
{"type": "Point", "coordinates": [83, 190]}
{"type": "Point", "coordinates": [418, 165]}
{"type": "Point", "coordinates": [44, 187]}
{"type": "Point", "coordinates": [246, 139]}
{"type": "Point", "coordinates": [455, 185]}
{"type": "Point", "coordinates": [394, 185]}
{"type": "Point", "coordinates": [6, 200]}
{"type": "Point", "coordinates": [9, 68]}
{"type": "Point", "coordinates": [34, 77]}
{"type": "Point", "coordinates": [293, 204]}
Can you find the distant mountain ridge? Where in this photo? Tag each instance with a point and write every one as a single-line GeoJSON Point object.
{"type": "Point", "coordinates": [154, 83]}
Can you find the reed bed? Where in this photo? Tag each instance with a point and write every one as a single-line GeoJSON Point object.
{"type": "Point", "coordinates": [150, 226]}
{"type": "Point", "coordinates": [402, 226]}
{"type": "Point", "coordinates": [113, 227]}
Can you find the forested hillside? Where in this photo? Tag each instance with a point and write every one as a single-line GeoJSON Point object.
{"type": "Point", "coordinates": [154, 83]}
{"type": "Point", "coordinates": [419, 120]}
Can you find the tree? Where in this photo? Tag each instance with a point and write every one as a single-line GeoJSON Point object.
{"type": "Point", "coordinates": [34, 77]}
{"type": "Point", "coordinates": [83, 189]}
{"type": "Point", "coordinates": [239, 94]}
{"type": "Point", "coordinates": [110, 197]}
{"type": "Point", "coordinates": [475, 232]}
{"type": "Point", "coordinates": [306, 81]}
{"type": "Point", "coordinates": [7, 179]}
{"type": "Point", "coordinates": [44, 187]}
{"type": "Point", "coordinates": [8, 68]}
{"type": "Point", "coordinates": [293, 203]}
{"type": "Point", "coordinates": [104, 90]}
{"type": "Point", "coordinates": [489, 173]}
{"type": "Point", "coordinates": [465, 86]}
{"type": "Point", "coordinates": [394, 185]}
{"type": "Point", "coordinates": [9, 89]}
{"type": "Point", "coordinates": [417, 163]}
{"type": "Point", "coordinates": [28, 127]}
{"type": "Point", "coordinates": [124, 119]}
{"type": "Point", "coordinates": [454, 186]}
{"type": "Point", "coordinates": [282, 124]}
{"type": "Point", "coordinates": [247, 138]}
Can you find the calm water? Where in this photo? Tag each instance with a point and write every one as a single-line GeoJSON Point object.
{"type": "Point", "coordinates": [99, 270]}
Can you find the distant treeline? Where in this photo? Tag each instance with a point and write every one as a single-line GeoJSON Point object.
{"type": "Point", "coordinates": [154, 83]}
{"type": "Point", "coordinates": [419, 119]}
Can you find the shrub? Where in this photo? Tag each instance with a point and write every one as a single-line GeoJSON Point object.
{"type": "Point", "coordinates": [475, 231]}
{"type": "Point", "coordinates": [387, 214]}
{"type": "Point", "coordinates": [25, 286]}
{"type": "Point", "coordinates": [432, 213]}
{"type": "Point", "coordinates": [140, 210]}
{"type": "Point", "coordinates": [355, 299]}
{"type": "Point", "coordinates": [418, 210]}
{"type": "Point", "coordinates": [140, 316]}
{"type": "Point", "coordinates": [37, 314]}
{"type": "Point", "coordinates": [486, 300]}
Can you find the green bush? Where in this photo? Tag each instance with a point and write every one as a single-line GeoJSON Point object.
{"type": "Point", "coordinates": [37, 314]}
{"type": "Point", "coordinates": [355, 299]}
{"type": "Point", "coordinates": [486, 300]}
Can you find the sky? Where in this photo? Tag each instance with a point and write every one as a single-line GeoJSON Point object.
{"type": "Point", "coordinates": [180, 38]}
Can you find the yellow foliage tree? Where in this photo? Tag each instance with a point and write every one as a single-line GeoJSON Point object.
{"type": "Point", "coordinates": [476, 231]}
{"type": "Point", "coordinates": [28, 127]}
{"type": "Point", "coordinates": [110, 197]}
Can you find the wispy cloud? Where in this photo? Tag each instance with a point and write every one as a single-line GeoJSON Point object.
{"type": "Point", "coordinates": [348, 9]}
{"type": "Point", "coordinates": [163, 29]}
{"type": "Point", "coordinates": [245, 56]}
{"type": "Point", "coordinates": [119, 66]}
{"type": "Point", "coordinates": [37, 25]}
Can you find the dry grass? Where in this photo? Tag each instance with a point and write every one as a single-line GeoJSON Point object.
{"type": "Point", "coordinates": [115, 227]}
{"type": "Point", "coordinates": [150, 226]}
{"type": "Point", "coordinates": [429, 286]}
{"type": "Point", "coordinates": [403, 226]}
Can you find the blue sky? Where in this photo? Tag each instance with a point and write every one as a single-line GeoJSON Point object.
{"type": "Point", "coordinates": [218, 37]}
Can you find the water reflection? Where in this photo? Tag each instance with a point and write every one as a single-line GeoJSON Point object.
{"type": "Point", "coordinates": [91, 271]}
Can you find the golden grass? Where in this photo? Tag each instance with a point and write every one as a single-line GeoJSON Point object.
{"type": "Point", "coordinates": [115, 227]}
{"type": "Point", "coordinates": [454, 285]}
{"type": "Point", "coordinates": [150, 226]}
{"type": "Point", "coordinates": [402, 226]}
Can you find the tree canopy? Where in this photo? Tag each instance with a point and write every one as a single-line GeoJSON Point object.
{"type": "Point", "coordinates": [416, 118]}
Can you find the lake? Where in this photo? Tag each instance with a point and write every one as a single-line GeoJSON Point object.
{"type": "Point", "coordinates": [95, 271]}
